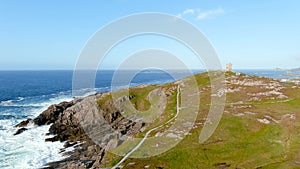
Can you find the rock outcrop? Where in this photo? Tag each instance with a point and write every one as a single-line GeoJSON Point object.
{"type": "Point", "coordinates": [21, 130]}
{"type": "Point", "coordinates": [24, 123]}
{"type": "Point", "coordinates": [51, 114]}
{"type": "Point", "coordinates": [93, 125]}
{"type": "Point", "coordinates": [86, 127]}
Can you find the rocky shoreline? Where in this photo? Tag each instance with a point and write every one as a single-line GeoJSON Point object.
{"type": "Point", "coordinates": [257, 109]}
{"type": "Point", "coordinates": [67, 120]}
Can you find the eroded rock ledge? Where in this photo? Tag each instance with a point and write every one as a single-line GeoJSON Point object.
{"type": "Point", "coordinates": [72, 123]}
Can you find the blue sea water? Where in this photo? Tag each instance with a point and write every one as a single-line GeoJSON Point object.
{"type": "Point", "coordinates": [25, 94]}
{"type": "Point", "coordinates": [22, 91]}
{"type": "Point", "coordinates": [280, 74]}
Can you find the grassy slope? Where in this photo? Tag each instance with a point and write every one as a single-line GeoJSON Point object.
{"type": "Point", "coordinates": [239, 141]}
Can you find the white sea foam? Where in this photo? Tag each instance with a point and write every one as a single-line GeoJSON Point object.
{"type": "Point", "coordinates": [20, 98]}
{"type": "Point", "coordinates": [11, 103]}
{"type": "Point", "coordinates": [28, 150]}
{"type": "Point", "coordinates": [6, 103]}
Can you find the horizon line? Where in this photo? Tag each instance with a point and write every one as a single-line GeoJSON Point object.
{"type": "Point", "coordinates": [137, 69]}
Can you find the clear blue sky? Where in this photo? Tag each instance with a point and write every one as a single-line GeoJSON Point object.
{"type": "Point", "coordinates": [50, 34]}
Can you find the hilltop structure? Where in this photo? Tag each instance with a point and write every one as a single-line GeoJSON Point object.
{"type": "Point", "coordinates": [228, 67]}
{"type": "Point", "coordinates": [253, 104]}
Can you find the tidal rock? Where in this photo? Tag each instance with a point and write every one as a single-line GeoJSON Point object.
{"type": "Point", "coordinates": [24, 123]}
{"type": "Point", "coordinates": [21, 130]}
{"type": "Point", "coordinates": [51, 114]}
{"type": "Point", "coordinates": [86, 128]}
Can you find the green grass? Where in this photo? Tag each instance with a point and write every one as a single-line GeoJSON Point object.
{"type": "Point", "coordinates": [232, 143]}
{"type": "Point", "coordinates": [238, 142]}
{"type": "Point", "coordinates": [101, 102]}
{"type": "Point", "coordinates": [169, 113]}
{"type": "Point", "coordinates": [140, 100]}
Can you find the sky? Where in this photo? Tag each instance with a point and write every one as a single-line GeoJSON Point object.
{"type": "Point", "coordinates": [50, 35]}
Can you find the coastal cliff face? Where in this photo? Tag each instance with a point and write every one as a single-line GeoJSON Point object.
{"type": "Point", "coordinates": [66, 128]}
{"type": "Point", "coordinates": [259, 128]}
{"type": "Point", "coordinates": [72, 123]}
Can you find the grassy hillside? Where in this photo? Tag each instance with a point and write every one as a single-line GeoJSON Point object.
{"type": "Point", "coordinates": [259, 128]}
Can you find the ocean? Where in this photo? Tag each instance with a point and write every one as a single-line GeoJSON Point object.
{"type": "Point", "coordinates": [25, 94]}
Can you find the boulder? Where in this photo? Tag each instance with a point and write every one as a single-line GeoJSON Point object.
{"type": "Point", "coordinates": [24, 123]}
{"type": "Point", "coordinates": [51, 114]}
{"type": "Point", "coordinates": [21, 130]}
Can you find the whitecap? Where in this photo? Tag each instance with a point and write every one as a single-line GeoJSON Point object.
{"type": "Point", "coordinates": [29, 149]}
{"type": "Point", "coordinates": [20, 98]}
{"type": "Point", "coordinates": [6, 103]}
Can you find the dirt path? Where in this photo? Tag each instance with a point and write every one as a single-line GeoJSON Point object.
{"type": "Point", "coordinates": [147, 134]}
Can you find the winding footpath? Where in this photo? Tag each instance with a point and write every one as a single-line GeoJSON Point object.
{"type": "Point", "coordinates": [147, 134]}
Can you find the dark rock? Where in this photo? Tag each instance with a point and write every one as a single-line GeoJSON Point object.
{"type": "Point", "coordinates": [69, 144]}
{"type": "Point", "coordinates": [52, 139]}
{"type": "Point", "coordinates": [88, 163]}
{"type": "Point", "coordinates": [222, 165]}
{"type": "Point", "coordinates": [124, 98]}
{"type": "Point", "coordinates": [51, 114]}
{"type": "Point", "coordinates": [21, 130]}
{"type": "Point", "coordinates": [78, 122]}
{"type": "Point", "coordinates": [131, 97]}
{"type": "Point", "coordinates": [24, 123]}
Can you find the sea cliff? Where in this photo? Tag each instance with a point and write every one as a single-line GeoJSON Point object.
{"type": "Point", "coordinates": [259, 128]}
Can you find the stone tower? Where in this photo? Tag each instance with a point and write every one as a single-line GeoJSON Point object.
{"type": "Point", "coordinates": [228, 67]}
